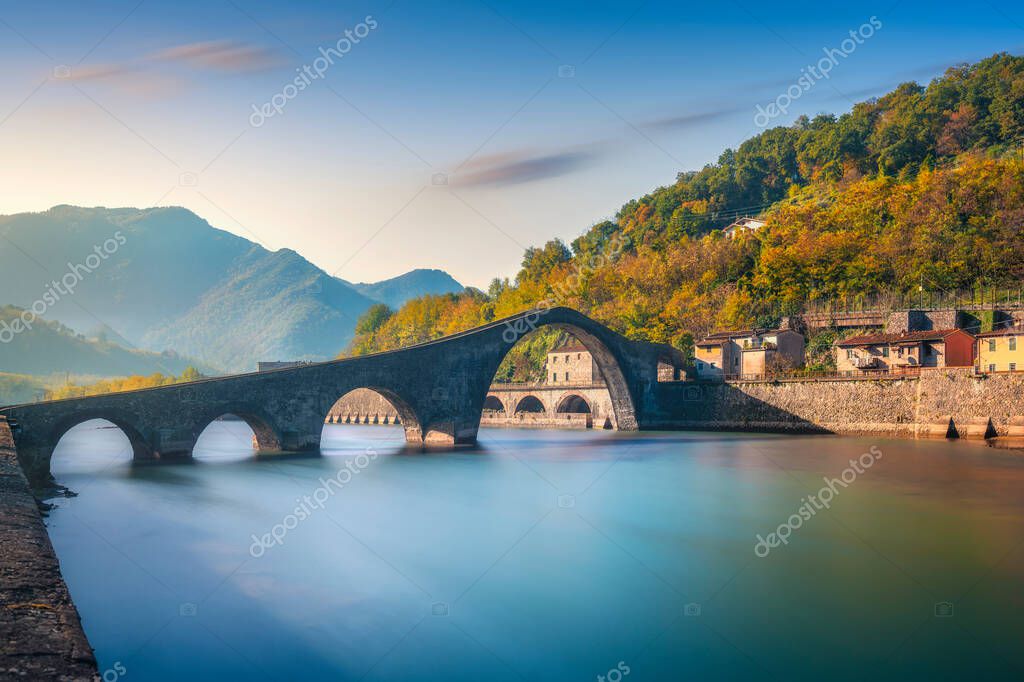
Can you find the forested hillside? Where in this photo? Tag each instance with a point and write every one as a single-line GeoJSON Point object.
{"type": "Point", "coordinates": [49, 347]}
{"type": "Point", "coordinates": [923, 187]}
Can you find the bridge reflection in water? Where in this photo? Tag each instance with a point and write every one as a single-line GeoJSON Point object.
{"type": "Point", "coordinates": [438, 389]}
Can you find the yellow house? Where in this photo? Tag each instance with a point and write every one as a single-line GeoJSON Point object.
{"type": "Point", "coordinates": [1001, 350]}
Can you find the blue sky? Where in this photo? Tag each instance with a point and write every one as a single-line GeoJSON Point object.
{"type": "Point", "coordinates": [544, 116]}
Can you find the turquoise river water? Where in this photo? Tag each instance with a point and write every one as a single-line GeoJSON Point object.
{"type": "Point", "coordinates": [547, 555]}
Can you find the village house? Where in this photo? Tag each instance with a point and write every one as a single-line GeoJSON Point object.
{"type": "Point", "coordinates": [743, 226]}
{"type": "Point", "coordinates": [751, 352]}
{"type": "Point", "coordinates": [572, 364]}
{"type": "Point", "coordinates": [887, 352]}
{"type": "Point", "coordinates": [1001, 350]}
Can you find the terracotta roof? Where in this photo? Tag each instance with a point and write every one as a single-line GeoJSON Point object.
{"type": "Point", "coordinates": [906, 337]}
{"type": "Point", "coordinates": [1006, 331]}
{"type": "Point", "coordinates": [718, 337]}
{"type": "Point", "coordinates": [730, 335]}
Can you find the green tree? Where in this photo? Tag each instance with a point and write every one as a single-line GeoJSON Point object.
{"type": "Point", "coordinates": [372, 320]}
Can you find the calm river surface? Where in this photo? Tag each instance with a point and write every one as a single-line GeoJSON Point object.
{"type": "Point", "coordinates": [546, 555]}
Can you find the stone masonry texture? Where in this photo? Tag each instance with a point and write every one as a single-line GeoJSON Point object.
{"type": "Point", "coordinates": [41, 636]}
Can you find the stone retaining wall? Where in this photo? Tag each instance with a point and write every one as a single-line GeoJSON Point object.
{"type": "Point", "coordinates": [41, 636]}
{"type": "Point", "coordinates": [990, 405]}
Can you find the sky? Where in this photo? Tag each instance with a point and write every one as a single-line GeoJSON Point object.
{"type": "Point", "coordinates": [377, 137]}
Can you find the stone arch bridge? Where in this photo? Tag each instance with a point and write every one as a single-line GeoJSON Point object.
{"type": "Point", "coordinates": [438, 389]}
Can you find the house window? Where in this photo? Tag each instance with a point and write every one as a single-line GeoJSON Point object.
{"type": "Point", "coordinates": [554, 358]}
{"type": "Point", "coordinates": [849, 354]}
{"type": "Point", "coordinates": [1013, 366]}
{"type": "Point", "coordinates": [928, 350]}
{"type": "Point", "coordinates": [991, 368]}
{"type": "Point", "coordinates": [885, 351]}
{"type": "Point", "coordinates": [567, 358]}
{"type": "Point", "coordinates": [992, 345]}
{"type": "Point", "coordinates": [1013, 343]}
{"type": "Point", "coordinates": [566, 376]}
{"type": "Point", "coordinates": [899, 352]}
{"type": "Point", "coordinates": [579, 356]}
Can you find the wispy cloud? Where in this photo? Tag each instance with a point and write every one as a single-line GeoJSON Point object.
{"type": "Point", "coordinates": [222, 55]}
{"type": "Point", "coordinates": [692, 118]}
{"type": "Point", "coordinates": [514, 168]}
{"type": "Point", "coordinates": [145, 75]}
{"type": "Point", "coordinates": [80, 74]}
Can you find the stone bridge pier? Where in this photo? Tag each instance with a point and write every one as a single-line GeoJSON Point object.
{"type": "Point", "coordinates": [438, 389]}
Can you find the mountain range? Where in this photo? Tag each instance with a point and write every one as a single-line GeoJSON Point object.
{"type": "Point", "coordinates": [163, 279]}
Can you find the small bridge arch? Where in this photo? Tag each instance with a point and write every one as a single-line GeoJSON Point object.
{"type": "Point", "coordinates": [573, 403]}
{"type": "Point", "coordinates": [492, 403]}
{"type": "Point", "coordinates": [127, 423]}
{"type": "Point", "coordinates": [530, 404]}
{"type": "Point", "coordinates": [362, 413]}
{"type": "Point", "coordinates": [266, 435]}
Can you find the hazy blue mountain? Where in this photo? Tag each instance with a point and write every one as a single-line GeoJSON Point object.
{"type": "Point", "coordinates": [49, 347]}
{"type": "Point", "coordinates": [168, 259]}
{"type": "Point", "coordinates": [270, 306]}
{"type": "Point", "coordinates": [398, 290]}
{"type": "Point", "coordinates": [163, 278]}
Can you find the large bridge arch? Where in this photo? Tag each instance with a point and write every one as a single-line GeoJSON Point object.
{"type": "Point", "coordinates": [606, 347]}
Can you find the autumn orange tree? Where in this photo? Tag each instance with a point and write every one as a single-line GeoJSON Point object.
{"type": "Point", "coordinates": [923, 186]}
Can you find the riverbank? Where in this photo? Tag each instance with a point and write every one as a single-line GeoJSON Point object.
{"type": "Point", "coordinates": [41, 635]}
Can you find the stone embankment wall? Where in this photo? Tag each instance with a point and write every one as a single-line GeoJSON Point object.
{"type": "Point", "coordinates": [41, 636]}
{"type": "Point", "coordinates": [978, 406]}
